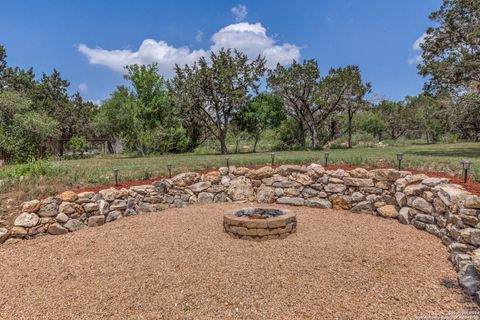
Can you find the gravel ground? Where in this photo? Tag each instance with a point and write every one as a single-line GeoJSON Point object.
{"type": "Point", "coordinates": [180, 265]}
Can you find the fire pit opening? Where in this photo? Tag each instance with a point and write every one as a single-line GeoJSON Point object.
{"type": "Point", "coordinates": [260, 223]}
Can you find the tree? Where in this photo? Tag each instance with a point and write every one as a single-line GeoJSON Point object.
{"type": "Point", "coordinates": [396, 117]}
{"type": "Point", "coordinates": [24, 133]}
{"type": "Point", "coordinates": [307, 97]}
{"type": "Point", "coordinates": [354, 96]}
{"type": "Point", "coordinates": [451, 49]}
{"type": "Point", "coordinates": [263, 112]}
{"type": "Point", "coordinates": [143, 116]}
{"type": "Point", "coordinates": [370, 122]}
{"type": "Point", "coordinates": [297, 84]}
{"type": "Point", "coordinates": [427, 116]}
{"type": "Point", "coordinates": [214, 91]}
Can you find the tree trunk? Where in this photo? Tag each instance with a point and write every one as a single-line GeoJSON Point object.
{"type": "Point", "coordinates": [350, 117]}
{"type": "Point", "coordinates": [257, 138]}
{"type": "Point", "coordinates": [223, 143]}
{"type": "Point", "coordinates": [313, 132]}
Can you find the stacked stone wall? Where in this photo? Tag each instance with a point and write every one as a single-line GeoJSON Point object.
{"type": "Point", "coordinates": [444, 210]}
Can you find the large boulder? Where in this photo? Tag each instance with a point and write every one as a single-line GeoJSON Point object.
{"type": "Point", "coordinates": [240, 189]}
{"type": "Point", "coordinates": [363, 207]}
{"type": "Point", "coordinates": [48, 208]}
{"type": "Point", "coordinates": [27, 220]}
{"type": "Point", "coordinates": [386, 174]}
{"type": "Point", "coordinates": [450, 193]}
{"type": "Point", "coordinates": [422, 205]}
{"type": "Point", "coordinates": [110, 194]}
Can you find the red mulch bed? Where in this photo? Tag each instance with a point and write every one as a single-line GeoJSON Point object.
{"type": "Point", "coordinates": [472, 186]}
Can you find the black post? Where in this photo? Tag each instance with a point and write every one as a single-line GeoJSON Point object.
{"type": "Point", "coordinates": [115, 174]}
{"type": "Point", "coordinates": [465, 175]}
{"type": "Point", "coordinates": [273, 158]}
{"type": "Point", "coordinates": [399, 165]}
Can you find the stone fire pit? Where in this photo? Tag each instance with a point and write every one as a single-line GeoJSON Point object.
{"type": "Point", "coordinates": [260, 224]}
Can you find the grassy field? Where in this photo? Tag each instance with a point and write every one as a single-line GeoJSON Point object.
{"type": "Point", "coordinates": [49, 177]}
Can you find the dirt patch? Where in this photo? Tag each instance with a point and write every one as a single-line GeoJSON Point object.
{"type": "Point", "coordinates": [179, 264]}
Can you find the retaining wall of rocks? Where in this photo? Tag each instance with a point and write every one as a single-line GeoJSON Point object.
{"type": "Point", "coordinates": [432, 204]}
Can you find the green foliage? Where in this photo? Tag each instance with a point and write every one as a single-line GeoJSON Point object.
{"type": "Point", "coordinates": [451, 49]}
{"type": "Point", "coordinates": [214, 91]}
{"type": "Point", "coordinates": [263, 112]}
{"type": "Point", "coordinates": [371, 122]}
{"type": "Point", "coordinates": [78, 144]}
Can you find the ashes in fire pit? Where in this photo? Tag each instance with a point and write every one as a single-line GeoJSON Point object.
{"type": "Point", "coordinates": [257, 213]}
{"type": "Point", "coordinates": [260, 223]}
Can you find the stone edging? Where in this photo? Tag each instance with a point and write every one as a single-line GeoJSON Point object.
{"type": "Point", "coordinates": [260, 229]}
{"type": "Point", "coordinates": [445, 210]}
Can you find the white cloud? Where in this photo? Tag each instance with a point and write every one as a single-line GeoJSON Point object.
{"type": "Point", "coordinates": [416, 47]}
{"type": "Point", "coordinates": [252, 39]}
{"type": "Point", "coordinates": [199, 36]}
{"type": "Point", "coordinates": [416, 44]}
{"type": "Point", "coordinates": [240, 12]}
{"type": "Point", "coordinates": [82, 87]}
{"type": "Point", "coordinates": [415, 60]}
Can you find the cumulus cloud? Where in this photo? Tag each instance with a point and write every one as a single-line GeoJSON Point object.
{"type": "Point", "coordinates": [416, 47]}
{"type": "Point", "coordinates": [82, 87]}
{"type": "Point", "coordinates": [239, 12]}
{"type": "Point", "coordinates": [252, 39]}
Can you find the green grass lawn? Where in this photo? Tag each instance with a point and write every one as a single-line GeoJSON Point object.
{"type": "Point", "coordinates": [61, 175]}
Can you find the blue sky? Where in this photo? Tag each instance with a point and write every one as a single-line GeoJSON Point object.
{"type": "Point", "coordinates": [88, 41]}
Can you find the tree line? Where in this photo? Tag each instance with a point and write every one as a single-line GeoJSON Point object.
{"type": "Point", "coordinates": [229, 97]}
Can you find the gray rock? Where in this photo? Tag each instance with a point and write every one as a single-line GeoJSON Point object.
{"type": "Point", "coordinates": [309, 192]}
{"type": "Point", "coordinates": [74, 225]}
{"type": "Point", "coordinates": [422, 205]}
{"type": "Point", "coordinates": [469, 279]}
{"type": "Point", "coordinates": [401, 199]}
{"type": "Point", "coordinates": [205, 197]}
{"type": "Point", "coordinates": [95, 221]}
{"type": "Point", "coordinates": [49, 209]}
{"type": "Point", "coordinates": [469, 235]}
{"type": "Point", "coordinates": [357, 196]}
{"type": "Point", "coordinates": [27, 220]}
{"type": "Point", "coordinates": [56, 229]}
{"type": "Point", "coordinates": [439, 206]}
{"type": "Point", "coordinates": [450, 193]}
{"type": "Point", "coordinates": [335, 188]}
{"type": "Point", "coordinates": [318, 203]}
{"type": "Point", "coordinates": [432, 182]}
{"type": "Point", "coordinates": [432, 229]}
{"type": "Point", "coordinates": [363, 207]}
{"type": "Point", "coordinates": [90, 207]}
{"type": "Point", "coordinates": [62, 217]}
{"type": "Point", "coordinates": [291, 201]}
{"type": "Point", "coordinates": [103, 207]}
{"type": "Point", "coordinates": [403, 216]}
{"type": "Point", "coordinates": [220, 197]}
{"type": "Point", "coordinates": [146, 207]}
{"type": "Point", "coordinates": [113, 215]}
{"type": "Point", "coordinates": [425, 218]}
{"type": "Point", "coordinates": [240, 189]}
{"type": "Point", "coordinates": [3, 235]}
{"type": "Point", "coordinates": [161, 186]}
{"type": "Point", "coordinates": [357, 182]}
{"type": "Point", "coordinates": [418, 224]}
{"type": "Point", "coordinates": [371, 190]}
{"type": "Point", "coordinates": [200, 186]}
{"type": "Point", "coordinates": [265, 194]}
{"type": "Point", "coordinates": [472, 202]}
{"type": "Point", "coordinates": [118, 205]}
